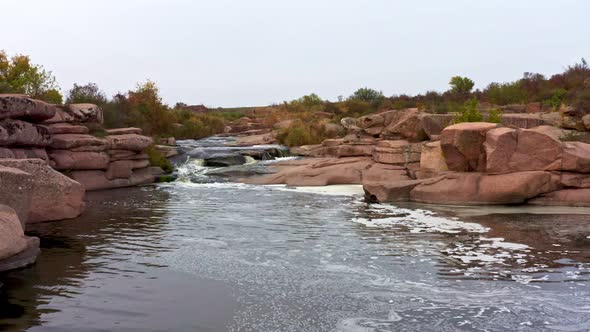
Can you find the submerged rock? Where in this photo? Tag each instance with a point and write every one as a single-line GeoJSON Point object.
{"type": "Point", "coordinates": [16, 249]}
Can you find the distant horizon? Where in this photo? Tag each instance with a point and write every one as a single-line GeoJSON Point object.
{"type": "Point", "coordinates": [233, 54]}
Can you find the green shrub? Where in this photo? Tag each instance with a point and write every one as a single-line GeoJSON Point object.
{"type": "Point", "coordinates": [495, 116]}
{"type": "Point", "coordinates": [469, 112]}
{"type": "Point", "coordinates": [158, 159]}
{"type": "Point", "coordinates": [557, 98]}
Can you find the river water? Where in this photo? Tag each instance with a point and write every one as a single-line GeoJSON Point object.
{"type": "Point", "coordinates": [223, 256]}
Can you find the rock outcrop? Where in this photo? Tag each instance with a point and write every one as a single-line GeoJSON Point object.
{"type": "Point", "coordinates": [518, 161]}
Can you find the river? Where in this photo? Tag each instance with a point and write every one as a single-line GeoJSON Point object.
{"type": "Point", "coordinates": [221, 256]}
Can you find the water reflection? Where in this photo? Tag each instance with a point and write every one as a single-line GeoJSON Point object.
{"type": "Point", "coordinates": [99, 242]}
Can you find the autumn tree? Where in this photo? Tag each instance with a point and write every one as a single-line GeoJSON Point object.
{"type": "Point", "coordinates": [88, 93]}
{"type": "Point", "coordinates": [19, 75]}
{"type": "Point", "coordinates": [367, 95]}
{"type": "Point", "coordinates": [461, 85]}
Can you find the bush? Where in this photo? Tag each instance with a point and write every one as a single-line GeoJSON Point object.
{"type": "Point", "coordinates": [158, 159]}
{"type": "Point", "coordinates": [303, 133]}
{"type": "Point", "coordinates": [495, 116]}
{"type": "Point", "coordinates": [557, 98]}
{"type": "Point", "coordinates": [469, 112]}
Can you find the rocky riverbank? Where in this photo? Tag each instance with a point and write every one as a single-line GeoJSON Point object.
{"type": "Point", "coordinates": [50, 155]}
{"type": "Point", "coordinates": [409, 155]}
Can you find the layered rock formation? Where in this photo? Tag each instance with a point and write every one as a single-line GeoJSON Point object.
{"type": "Point", "coordinates": [408, 155]}
{"type": "Point", "coordinates": [60, 135]}
{"type": "Point", "coordinates": [37, 142]}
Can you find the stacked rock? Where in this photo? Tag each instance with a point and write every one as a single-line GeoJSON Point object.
{"type": "Point", "coordinates": [60, 135]}
{"type": "Point", "coordinates": [20, 134]}
{"type": "Point", "coordinates": [117, 160]}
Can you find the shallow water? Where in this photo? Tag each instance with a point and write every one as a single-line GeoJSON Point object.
{"type": "Point", "coordinates": [232, 257]}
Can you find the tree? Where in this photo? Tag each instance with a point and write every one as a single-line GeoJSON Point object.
{"type": "Point", "coordinates": [147, 109]}
{"type": "Point", "coordinates": [368, 95]}
{"type": "Point", "coordinates": [19, 75]}
{"type": "Point", "coordinates": [88, 93]}
{"type": "Point", "coordinates": [461, 85]}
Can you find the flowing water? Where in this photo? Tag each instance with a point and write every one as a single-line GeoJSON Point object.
{"type": "Point", "coordinates": [205, 254]}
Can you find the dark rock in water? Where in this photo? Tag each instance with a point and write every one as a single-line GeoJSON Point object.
{"type": "Point", "coordinates": [24, 258]}
{"type": "Point", "coordinates": [225, 159]}
{"type": "Point", "coordinates": [240, 171]}
{"type": "Point", "coordinates": [257, 154]}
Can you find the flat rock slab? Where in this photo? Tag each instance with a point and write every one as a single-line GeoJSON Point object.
{"type": "Point", "coordinates": [21, 133]}
{"type": "Point", "coordinates": [566, 197]}
{"type": "Point", "coordinates": [69, 160]}
{"type": "Point", "coordinates": [65, 128]}
{"type": "Point", "coordinates": [124, 131]}
{"type": "Point", "coordinates": [15, 106]}
{"type": "Point", "coordinates": [70, 141]}
{"type": "Point", "coordinates": [24, 153]}
{"type": "Point", "coordinates": [132, 142]}
{"type": "Point", "coordinates": [97, 180]}
{"type": "Point", "coordinates": [77, 113]}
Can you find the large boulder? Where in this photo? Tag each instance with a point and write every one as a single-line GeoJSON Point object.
{"type": "Point", "coordinates": [16, 249]}
{"type": "Point", "coordinates": [524, 121]}
{"type": "Point", "coordinates": [69, 160]}
{"type": "Point", "coordinates": [535, 149]}
{"type": "Point", "coordinates": [399, 152]}
{"type": "Point", "coordinates": [500, 145]}
{"type": "Point", "coordinates": [432, 161]}
{"type": "Point", "coordinates": [17, 190]}
{"type": "Point", "coordinates": [404, 124]}
{"type": "Point", "coordinates": [14, 106]}
{"type": "Point", "coordinates": [131, 142]}
{"type": "Point", "coordinates": [54, 195]}
{"type": "Point", "coordinates": [566, 197]}
{"type": "Point", "coordinates": [12, 236]}
{"type": "Point", "coordinates": [462, 146]}
{"type": "Point", "coordinates": [71, 141]}
{"type": "Point", "coordinates": [20, 133]}
{"type": "Point", "coordinates": [77, 113]}
{"type": "Point", "coordinates": [482, 189]}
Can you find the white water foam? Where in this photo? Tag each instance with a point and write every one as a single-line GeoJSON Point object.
{"type": "Point", "coordinates": [418, 221]}
{"type": "Point", "coordinates": [333, 190]}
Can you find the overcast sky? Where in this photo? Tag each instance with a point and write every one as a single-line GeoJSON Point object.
{"type": "Point", "coordinates": [257, 52]}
